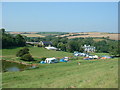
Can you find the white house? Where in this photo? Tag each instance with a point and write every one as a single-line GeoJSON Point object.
{"type": "Point", "coordinates": [89, 48]}
{"type": "Point", "coordinates": [51, 60]}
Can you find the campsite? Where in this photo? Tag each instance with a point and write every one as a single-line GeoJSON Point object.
{"type": "Point", "coordinates": [59, 65]}
{"type": "Point", "coordinates": [89, 74]}
{"type": "Point", "coordinates": [59, 45]}
{"type": "Point", "coordinates": [58, 62]}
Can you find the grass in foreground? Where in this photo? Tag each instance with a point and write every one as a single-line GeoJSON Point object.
{"type": "Point", "coordinates": [90, 74]}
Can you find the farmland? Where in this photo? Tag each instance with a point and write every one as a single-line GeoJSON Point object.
{"type": "Point", "coordinates": [90, 74]}
{"type": "Point", "coordinates": [113, 36]}
{"type": "Point", "coordinates": [98, 35]}
{"type": "Point", "coordinates": [32, 35]}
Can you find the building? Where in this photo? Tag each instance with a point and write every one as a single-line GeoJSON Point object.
{"type": "Point", "coordinates": [89, 48]}
{"type": "Point", "coordinates": [51, 48]}
{"type": "Point", "coordinates": [41, 43]}
{"type": "Point", "coordinates": [32, 42]}
{"type": "Point", "coordinates": [45, 43]}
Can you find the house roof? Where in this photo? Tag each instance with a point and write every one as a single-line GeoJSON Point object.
{"type": "Point", "coordinates": [47, 42]}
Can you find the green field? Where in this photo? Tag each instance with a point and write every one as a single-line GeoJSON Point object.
{"type": "Point", "coordinates": [90, 74]}
{"type": "Point", "coordinates": [36, 52]}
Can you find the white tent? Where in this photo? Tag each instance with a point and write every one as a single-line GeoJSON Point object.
{"type": "Point", "coordinates": [66, 58]}
{"type": "Point", "coordinates": [51, 48]}
{"type": "Point", "coordinates": [51, 60]}
{"type": "Point", "coordinates": [93, 56]}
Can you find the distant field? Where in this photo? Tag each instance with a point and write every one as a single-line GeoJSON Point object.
{"type": "Point", "coordinates": [22, 32]}
{"type": "Point", "coordinates": [90, 74]}
{"type": "Point", "coordinates": [39, 34]}
{"type": "Point", "coordinates": [113, 36]}
{"type": "Point", "coordinates": [33, 35]}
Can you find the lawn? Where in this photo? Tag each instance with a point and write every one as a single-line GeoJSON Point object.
{"type": "Point", "coordinates": [36, 52]}
{"type": "Point", "coordinates": [90, 74]}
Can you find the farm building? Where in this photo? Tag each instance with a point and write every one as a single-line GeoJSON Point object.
{"type": "Point", "coordinates": [51, 48]}
{"type": "Point", "coordinates": [33, 43]}
{"type": "Point", "coordinates": [41, 43]}
{"type": "Point", "coordinates": [45, 43]}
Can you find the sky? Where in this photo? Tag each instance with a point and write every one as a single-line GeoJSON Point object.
{"type": "Point", "coordinates": [60, 16]}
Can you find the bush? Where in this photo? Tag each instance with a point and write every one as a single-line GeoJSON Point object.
{"type": "Point", "coordinates": [27, 57]}
{"type": "Point", "coordinates": [22, 52]}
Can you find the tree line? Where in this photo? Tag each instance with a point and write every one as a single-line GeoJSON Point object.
{"type": "Point", "coordinates": [70, 45]}
{"type": "Point", "coordinates": [9, 40]}
{"type": "Point", "coordinates": [65, 44]}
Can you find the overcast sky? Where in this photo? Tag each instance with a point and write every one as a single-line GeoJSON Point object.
{"type": "Point", "coordinates": [60, 16]}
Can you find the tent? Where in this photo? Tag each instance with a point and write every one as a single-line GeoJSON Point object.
{"type": "Point", "coordinates": [93, 56]}
{"type": "Point", "coordinates": [80, 54]}
{"type": "Point", "coordinates": [42, 62]}
{"type": "Point", "coordinates": [62, 60]}
{"type": "Point", "coordinates": [105, 57]}
{"type": "Point", "coordinates": [87, 58]}
{"type": "Point", "coordinates": [66, 58]}
{"type": "Point", "coordinates": [51, 60]}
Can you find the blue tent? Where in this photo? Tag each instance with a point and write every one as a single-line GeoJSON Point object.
{"type": "Point", "coordinates": [106, 56]}
{"type": "Point", "coordinates": [62, 60]}
{"type": "Point", "coordinates": [42, 62]}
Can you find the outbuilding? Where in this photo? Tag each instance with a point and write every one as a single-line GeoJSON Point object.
{"type": "Point", "coordinates": [51, 48]}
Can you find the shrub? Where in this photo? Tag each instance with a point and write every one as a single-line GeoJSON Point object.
{"type": "Point", "coordinates": [21, 52]}
{"type": "Point", "coordinates": [27, 57]}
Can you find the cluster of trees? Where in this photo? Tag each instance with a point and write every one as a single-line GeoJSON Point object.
{"type": "Point", "coordinates": [71, 45]}
{"type": "Point", "coordinates": [9, 40]}
{"type": "Point", "coordinates": [65, 44]}
{"type": "Point", "coordinates": [56, 33]}
{"type": "Point", "coordinates": [24, 54]}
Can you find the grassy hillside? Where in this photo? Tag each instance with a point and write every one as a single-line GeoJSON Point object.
{"type": "Point", "coordinates": [36, 52]}
{"type": "Point", "coordinates": [90, 74]}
